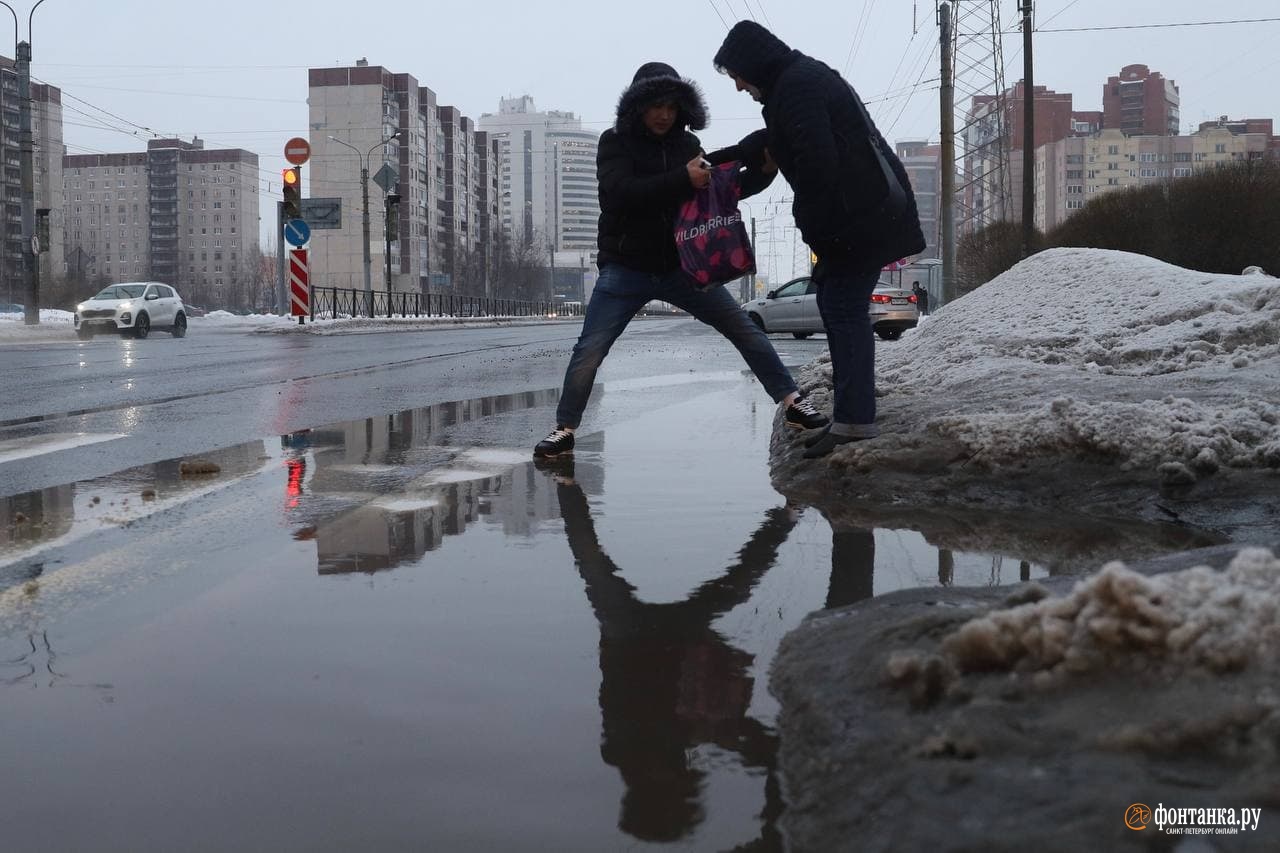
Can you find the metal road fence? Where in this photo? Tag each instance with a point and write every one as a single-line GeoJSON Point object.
{"type": "Point", "coordinates": [337, 302]}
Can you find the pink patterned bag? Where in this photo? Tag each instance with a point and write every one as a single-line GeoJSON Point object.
{"type": "Point", "coordinates": [710, 234]}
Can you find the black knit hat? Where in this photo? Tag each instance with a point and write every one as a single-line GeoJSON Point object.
{"type": "Point", "coordinates": [654, 83]}
{"type": "Point", "coordinates": [753, 53]}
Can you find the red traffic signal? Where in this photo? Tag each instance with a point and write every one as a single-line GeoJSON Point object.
{"type": "Point", "coordinates": [292, 183]}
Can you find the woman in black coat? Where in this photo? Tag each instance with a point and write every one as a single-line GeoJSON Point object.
{"type": "Point", "coordinates": [648, 165]}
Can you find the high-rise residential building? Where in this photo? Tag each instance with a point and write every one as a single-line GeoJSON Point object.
{"type": "Point", "coordinates": [362, 118]}
{"type": "Point", "coordinates": [924, 169]}
{"type": "Point", "coordinates": [488, 205]}
{"type": "Point", "coordinates": [548, 163]}
{"type": "Point", "coordinates": [46, 134]}
{"type": "Point", "coordinates": [459, 225]}
{"type": "Point", "coordinates": [1072, 171]}
{"type": "Point", "coordinates": [367, 115]}
{"type": "Point", "coordinates": [1139, 101]}
{"type": "Point", "coordinates": [177, 213]}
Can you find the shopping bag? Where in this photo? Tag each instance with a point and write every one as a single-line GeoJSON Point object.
{"type": "Point", "coordinates": [710, 235]}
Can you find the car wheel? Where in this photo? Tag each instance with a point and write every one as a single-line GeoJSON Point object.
{"type": "Point", "coordinates": [890, 334]}
{"type": "Point", "coordinates": [84, 334]}
{"type": "Point", "coordinates": [800, 336]}
{"type": "Point", "coordinates": [756, 318]}
{"type": "Point", "coordinates": [180, 325]}
{"type": "Point", "coordinates": [141, 326]}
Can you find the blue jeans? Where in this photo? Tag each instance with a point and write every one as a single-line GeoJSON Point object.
{"type": "Point", "coordinates": [843, 301]}
{"type": "Point", "coordinates": [620, 292]}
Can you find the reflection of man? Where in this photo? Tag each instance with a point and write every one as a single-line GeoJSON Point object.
{"type": "Point", "coordinates": [853, 558]}
{"type": "Point", "coordinates": [669, 681]}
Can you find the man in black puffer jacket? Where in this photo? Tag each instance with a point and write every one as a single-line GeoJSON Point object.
{"type": "Point", "coordinates": [648, 165]}
{"type": "Point", "coordinates": [821, 139]}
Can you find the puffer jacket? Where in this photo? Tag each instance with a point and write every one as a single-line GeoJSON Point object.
{"type": "Point", "coordinates": [817, 136]}
{"type": "Point", "coordinates": [642, 177]}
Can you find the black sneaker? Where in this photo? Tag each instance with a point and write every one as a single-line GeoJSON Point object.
{"type": "Point", "coordinates": [802, 415]}
{"type": "Point", "coordinates": [559, 441]}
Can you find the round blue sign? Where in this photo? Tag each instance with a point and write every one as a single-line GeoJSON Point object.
{"type": "Point", "coordinates": [297, 232]}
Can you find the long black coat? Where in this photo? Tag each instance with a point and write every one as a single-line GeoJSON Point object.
{"type": "Point", "coordinates": [642, 177]}
{"type": "Point", "coordinates": [818, 137]}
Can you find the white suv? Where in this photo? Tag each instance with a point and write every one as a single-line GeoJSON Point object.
{"type": "Point", "coordinates": [132, 307]}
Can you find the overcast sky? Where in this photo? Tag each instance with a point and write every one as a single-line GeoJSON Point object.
{"type": "Point", "coordinates": [234, 72]}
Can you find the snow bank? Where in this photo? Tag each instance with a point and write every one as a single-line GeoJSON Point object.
{"type": "Point", "coordinates": [1103, 355]}
{"type": "Point", "coordinates": [1117, 618]}
{"type": "Point", "coordinates": [1097, 310]}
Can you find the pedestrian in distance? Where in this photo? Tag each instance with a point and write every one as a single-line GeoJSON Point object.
{"type": "Point", "coordinates": [853, 205]}
{"type": "Point", "coordinates": [922, 298]}
{"type": "Point", "coordinates": [648, 164]}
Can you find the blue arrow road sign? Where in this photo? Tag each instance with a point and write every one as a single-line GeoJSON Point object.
{"type": "Point", "coordinates": [297, 232]}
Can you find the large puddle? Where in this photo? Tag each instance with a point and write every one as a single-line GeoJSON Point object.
{"type": "Point", "coordinates": [401, 633]}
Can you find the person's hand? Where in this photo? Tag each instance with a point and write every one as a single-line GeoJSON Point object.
{"type": "Point", "coordinates": [769, 167]}
{"type": "Point", "coordinates": [699, 174]}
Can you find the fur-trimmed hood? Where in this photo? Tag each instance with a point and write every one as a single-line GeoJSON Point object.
{"type": "Point", "coordinates": [657, 81]}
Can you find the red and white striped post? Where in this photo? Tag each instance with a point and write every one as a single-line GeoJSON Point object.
{"type": "Point", "coordinates": [299, 285]}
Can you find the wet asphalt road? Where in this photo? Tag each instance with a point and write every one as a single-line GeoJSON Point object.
{"type": "Point", "coordinates": [379, 625]}
{"type": "Point", "coordinates": [161, 398]}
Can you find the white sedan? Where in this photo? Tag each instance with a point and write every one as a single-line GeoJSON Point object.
{"type": "Point", "coordinates": [794, 308]}
{"type": "Point", "coordinates": [132, 307]}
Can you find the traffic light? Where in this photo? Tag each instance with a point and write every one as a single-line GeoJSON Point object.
{"type": "Point", "coordinates": [292, 180]}
{"type": "Point", "coordinates": [393, 218]}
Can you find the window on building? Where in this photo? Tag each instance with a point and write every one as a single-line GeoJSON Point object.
{"type": "Point", "coordinates": [1113, 149]}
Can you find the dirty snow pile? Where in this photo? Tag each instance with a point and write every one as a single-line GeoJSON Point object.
{"type": "Point", "coordinates": [1194, 617]}
{"type": "Point", "coordinates": [1101, 353]}
{"type": "Point", "coordinates": [1118, 619]}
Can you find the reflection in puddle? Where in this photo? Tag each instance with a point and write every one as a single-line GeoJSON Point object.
{"type": "Point", "coordinates": [34, 521]}
{"type": "Point", "coordinates": [583, 641]}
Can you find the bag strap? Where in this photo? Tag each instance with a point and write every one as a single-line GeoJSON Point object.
{"type": "Point", "coordinates": [896, 201]}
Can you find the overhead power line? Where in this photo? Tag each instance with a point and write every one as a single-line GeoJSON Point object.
{"type": "Point", "coordinates": [1161, 26]}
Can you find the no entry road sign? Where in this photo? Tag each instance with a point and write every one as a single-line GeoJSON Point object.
{"type": "Point", "coordinates": [297, 151]}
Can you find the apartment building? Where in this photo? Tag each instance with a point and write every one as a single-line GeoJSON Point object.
{"type": "Point", "coordinates": [548, 164]}
{"type": "Point", "coordinates": [1072, 171]}
{"type": "Point", "coordinates": [177, 212]}
{"type": "Point", "coordinates": [924, 169]}
{"type": "Point", "coordinates": [46, 134]}
{"type": "Point", "coordinates": [488, 206]}
{"type": "Point", "coordinates": [367, 116]}
{"type": "Point", "coordinates": [459, 224]}
{"type": "Point", "coordinates": [1141, 102]}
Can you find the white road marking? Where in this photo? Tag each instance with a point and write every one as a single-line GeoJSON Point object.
{"type": "Point", "coordinates": [37, 445]}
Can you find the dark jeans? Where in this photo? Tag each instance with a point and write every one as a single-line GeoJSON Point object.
{"type": "Point", "coordinates": [621, 292]}
{"type": "Point", "coordinates": [843, 302]}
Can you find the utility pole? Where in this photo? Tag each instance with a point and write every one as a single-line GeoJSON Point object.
{"type": "Point", "coordinates": [26, 164]}
{"type": "Point", "coordinates": [282, 284]}
{"type": "Point", "coordinates": [364, 223]}
{"type": "Point", "coordinates": [1028, 135]}
{"type": "Point", "coordinates": [751, 282]}
{"type": "Point", "coordinates": [948, 118]}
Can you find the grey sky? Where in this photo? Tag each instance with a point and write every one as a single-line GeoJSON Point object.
{"type": "Point", "coordinates": [225, 73]}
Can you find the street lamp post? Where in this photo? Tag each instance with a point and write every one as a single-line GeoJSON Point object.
{"type": "Point", "coordinates": [364, 191]}
{"type": "Point", "coordinates": [26, 161]}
